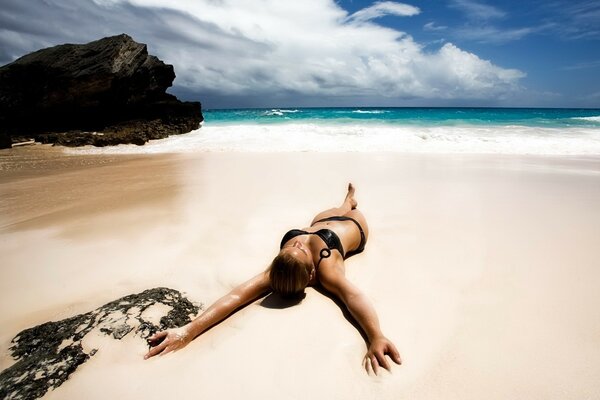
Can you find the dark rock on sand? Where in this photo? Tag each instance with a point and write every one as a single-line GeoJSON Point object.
{"type": "Point", "coordinates": [103, 93]}
{"type": "Point", "coordinates": [49, 353]}
{"type": "Point", "coordinates": [5, 141]}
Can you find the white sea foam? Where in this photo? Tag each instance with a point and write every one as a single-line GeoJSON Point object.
{"type": "Point", "coordinates": [293, 137]}
{"type": "Point", "coordinates": [593, 119]}
{"type": "Point", "coordinates": [279, 112]}
{"type": "Point", "coordinates": [368, 111]}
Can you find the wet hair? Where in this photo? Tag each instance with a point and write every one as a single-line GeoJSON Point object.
{"type": "Point", "coordinates": [289, 277]}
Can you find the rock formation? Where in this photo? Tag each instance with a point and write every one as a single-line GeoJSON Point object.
{"type": "Point", "coordinates": [49, 353]}
{"type": "Point", "coordinates": [103, 93]}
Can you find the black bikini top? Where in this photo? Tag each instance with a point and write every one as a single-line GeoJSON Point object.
{"type": "Point", "coordinates": [327, 235]}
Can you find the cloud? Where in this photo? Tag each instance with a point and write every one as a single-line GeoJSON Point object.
{"type": "Point", "coordinates": [492, 34]}
{"type": "Point", "coordinates": [231, 50]}
{"type": "Point", "coordinates": [582, 65]}
{"type": "Point", "coordinates": [477, 11]}
{"type": "Point", "coordinates": [481, 28]}
{"type": "Point", "coordinates": [383, 8]}
{"type": "Point", "coordinates": [430, 26]}
{"type": "Point", "coordinates": [587, 11]}
{"type": "Point", "coordinates": [575, 20]}
{"type": "Point", "coordinates": [458, 73]}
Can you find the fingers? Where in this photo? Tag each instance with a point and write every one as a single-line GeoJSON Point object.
{"type": "Point", "coordinates": [374, 364]}
{"type": "Point", "coordinates": [157, 336]}
{"type": "Point", "coordinates": [376, 358]}
{"type": "Point", "coordinates": [395, 355]}
{"type": "Point", "coordinates": [168, 350]}
{"type": "Point", "coordinates": [370, 364]}
{"type": "Point", "coordinates": [380, 357]}
{"type": "Point", "coordinates": [155, 350]}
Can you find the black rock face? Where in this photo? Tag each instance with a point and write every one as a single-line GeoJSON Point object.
{"type": "Point", "coordinates": [49, 353]}
{"type": "Point", "coordinates": [96, 87]}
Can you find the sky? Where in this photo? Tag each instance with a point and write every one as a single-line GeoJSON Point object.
{"type": "Point", "coordinates": [326, 53]}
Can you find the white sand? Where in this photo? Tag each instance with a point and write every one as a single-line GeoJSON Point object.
{"type": "Point", "coordinates": [483, 269]}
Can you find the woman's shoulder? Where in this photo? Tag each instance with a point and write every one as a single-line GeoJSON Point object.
{"type": "Point", "coordinates": [331, 264]}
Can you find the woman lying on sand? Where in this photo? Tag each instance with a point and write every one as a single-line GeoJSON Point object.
{"type": "Point", "coordinates": [308, 257]}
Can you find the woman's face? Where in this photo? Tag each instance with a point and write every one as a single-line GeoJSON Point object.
{"type": "Point", "coordinates": [300, 252]}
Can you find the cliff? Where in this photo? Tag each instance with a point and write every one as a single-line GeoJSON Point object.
{"type": "Point", "coordinates": [106, 92]}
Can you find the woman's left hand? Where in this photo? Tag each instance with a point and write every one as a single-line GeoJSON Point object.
{"type": "Point", "coordinates": [375, 356]}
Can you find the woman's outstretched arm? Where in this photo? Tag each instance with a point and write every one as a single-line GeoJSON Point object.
{"type": "Point", "coordinates": [175, 339]}
{"type": "Point", "coordinates": [333, 278]}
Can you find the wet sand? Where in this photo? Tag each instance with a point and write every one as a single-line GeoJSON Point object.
{"type": "Point", "coordinates": [483, 270]}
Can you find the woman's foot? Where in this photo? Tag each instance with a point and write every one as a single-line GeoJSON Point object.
{"type": "Point", "coordinates": [349, 200]}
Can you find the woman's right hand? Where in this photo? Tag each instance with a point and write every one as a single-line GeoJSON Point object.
{"type": "Point", "coordinates": [166, 341]}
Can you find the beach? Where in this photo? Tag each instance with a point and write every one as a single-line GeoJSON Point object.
{"type": "Point", "coordinates": [483, 269]}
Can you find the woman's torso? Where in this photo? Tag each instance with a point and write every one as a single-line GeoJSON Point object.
{"type": "Point", "coordinates": [346, 231]}
{"type": "Point", "coordinates": [316, 238]}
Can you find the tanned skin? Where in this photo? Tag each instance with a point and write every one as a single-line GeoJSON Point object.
{"type": "Point", "coordinates": [330, 275]}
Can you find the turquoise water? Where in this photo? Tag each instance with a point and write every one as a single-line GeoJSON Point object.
{"type": "Point", "coordinates": [531, 117]}
{"type": "Point", "coordinates": [404, 130]}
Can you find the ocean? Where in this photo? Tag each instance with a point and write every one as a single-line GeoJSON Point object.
{"type": "Point", "coordinates": [410, 130]}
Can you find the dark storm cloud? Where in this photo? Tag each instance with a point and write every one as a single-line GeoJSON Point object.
{"type": "Point", "coordinates": [31, 25]}
{"type": "Point", "coordinates": [230, 50]}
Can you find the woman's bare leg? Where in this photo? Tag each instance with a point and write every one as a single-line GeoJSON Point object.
{"type": "Point", "coordinates": [347, 206]}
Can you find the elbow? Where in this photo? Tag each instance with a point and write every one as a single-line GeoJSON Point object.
{"type": "Point", "coordinates": [234, 300]}
{"type": "Point", "coordinates": [352, 298]}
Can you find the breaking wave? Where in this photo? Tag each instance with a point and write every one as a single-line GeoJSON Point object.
{"type": "Point", "coordinates": [318, 137]}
